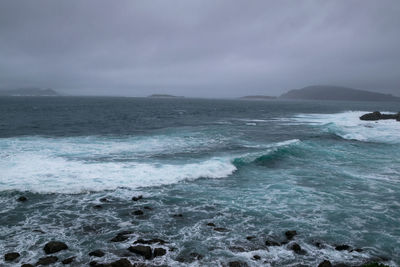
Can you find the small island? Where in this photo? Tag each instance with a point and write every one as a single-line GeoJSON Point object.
{"type": "Point", "coordinates": [376, 115]}
{"type": "Point", "coordinates": [29, 92]}
{"type": "Point", "coordinates": [164, 96]}
{"type": "Point", "coordinates": [257, 97]}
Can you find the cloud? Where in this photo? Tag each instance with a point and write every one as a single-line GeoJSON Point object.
{"type": "Point", "coordinates": [199, 48]}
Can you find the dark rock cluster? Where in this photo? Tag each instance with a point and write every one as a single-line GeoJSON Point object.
{"type": "Point", "coordinates": [376, 115]}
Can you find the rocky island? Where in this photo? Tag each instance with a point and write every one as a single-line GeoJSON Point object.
{"type": "Point", "coordinates": [164, 96]}
{"type": "Point", "coordinates": [257, 97]}
{"type": "Point", "coordinates": [376, 115]}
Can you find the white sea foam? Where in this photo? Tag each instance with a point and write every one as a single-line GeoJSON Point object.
{"type": "Point", "coordinates": [73, 165]}
{"type": "Point", "coordinates": [348, 126]}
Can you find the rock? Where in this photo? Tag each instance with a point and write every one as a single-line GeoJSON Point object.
{"type": "Point", "coordinates": [256, 257]}
{"type": "Point", "coordinates": [251, 237]}
{"type": "Point", "coordinates": [47, 260]}
{"type": "Point", "coordinates": [22, 199]}
{"type": "Point", "coordinates": [196, 256]}
{"type": "Point", "coordinates": [138, 212]}
{"type": "Point", "coordinates": [145, 251]}
{"type": "Point", "coordinates": [221, 229]}
{"type": "Point", "coordinates": [97, 207]}
{"type": "Point", "coordinates": [342, 247]}
{"type": "Point", "coordinates": [290, 234]}
{"type": "Point", "coordinates": [376, 115]}
{"type": "Point", "coordinates": [150, 241]}
{"type": "Point", "coordinates": [271, 243]}
{"type": "Point", "coordinates": [121, 263]}
{"type": "Point", "coordinates": [121, 236]}
{"type": "Point", "coordinates": [325, 263]}
{"type": "Point", "coordinates": [158, 252]}
{"type": "Point", "coordinates": [54, 246]}
{"type": "Point", "coordinates": [97, 253]}
{"type": "Point", "coordinates": [27, 265]}
{"type": "Point", "coordinates": [374, 264]}
{"type": "Point", "coordinates": [68, 260]}
{"type": "Point", "coordinates": [11, 256]}
{"type": "Point", "coordinates": [103, 199]}
{"type": "Point", "coordinates": [237, 249]}
{"type": "Point", "coordinates": [296, 248]}
{"type": "Point", "coordinates": [137, 198]}
{"type": "Point", "coordinates": [211, 224]}
{"type": "Point", "coordinates": [237, 264]}
{"type": "Point", "coordinates": [178, 215]}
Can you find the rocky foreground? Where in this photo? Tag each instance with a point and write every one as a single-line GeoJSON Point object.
{"type": "Point", "coordinates": [376, 115]}
{"type": "Point", "coordinates": [149, 249]}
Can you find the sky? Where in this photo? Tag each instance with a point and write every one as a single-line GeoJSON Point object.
{"type": "Point", "coordinates": [199, 48]}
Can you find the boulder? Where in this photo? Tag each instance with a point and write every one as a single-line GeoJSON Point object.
{"type": "Point", "coordinates": [22, 199]}
{"type": "Point", "coordinates": [27, 265]}
{"type": "Point", "coordinates": [121, 236]}
{"type": "Point", "coordinates": [325, 263]}
{"type": "Point", "coordinates": [158, 252]}
{"type": "Point", "coordinates": [97, 253]}
{"type": "Point", "coordinates": [144, 251]}
{"type": "Point", "coordinates": [290, 234]}
{"type": "Point", "coordinates": [11, 256]}
{"type": "Point", "coordinates": [271, 243]}
{"type": "Point", "coordinates": [343, 247]}
{"type": "Point", "coordinates": [296, 248]}
{"type": "Point", "coordinates": [121, 263]}
{"type": "Point", "coordinates": [211, 224]}
{"type": "Point", "coordinates": [47, 260]}
{"type": "Point", "coordinates": [137, 198]}
{"type": "Point", "coordinates": [138, 212]}
{"type": "Point", "coordinates": [68, 260]}
{"type": "Point", "coordinates": [54, 246]}
{"type": "Point", "coordinates": [256, 257]}
{"type": "Point", "coordinates": [237, 264]}
{"type": "Point", "coordinates": [150, 241]}
{"type": "Point", "coordinates": [220, 229]}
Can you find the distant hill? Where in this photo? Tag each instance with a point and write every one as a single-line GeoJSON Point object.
{"type": "Point", "coordinates": [326, 92]}
{"type": "Point", "coordinates": [257, 97]}
{"type": "Point", "coordinates": [163, 96]}
{"type": "Point", "coordinates": [29, 92]}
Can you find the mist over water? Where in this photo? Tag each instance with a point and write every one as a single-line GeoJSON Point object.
{"type": "Point", "coordinates": [256, 168]}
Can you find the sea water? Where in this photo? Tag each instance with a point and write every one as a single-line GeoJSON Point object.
{"type": "Point", "coordinates": [255, 168]}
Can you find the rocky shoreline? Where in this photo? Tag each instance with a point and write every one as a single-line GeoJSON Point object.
{"type": "Point", "coordinates": [376, 115]}
{"type": "Point", "coordinates": [149, 249]}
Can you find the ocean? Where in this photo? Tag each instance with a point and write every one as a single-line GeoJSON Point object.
{"type": "Point", "coordinates": [219, 179]}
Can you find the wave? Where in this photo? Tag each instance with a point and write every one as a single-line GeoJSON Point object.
{"type": "Point", "coordinates": [61, 165]}
{"type": "Point", "coordinates": [269, 154]}
{"type": "Point", "coordinates": [347, 125]}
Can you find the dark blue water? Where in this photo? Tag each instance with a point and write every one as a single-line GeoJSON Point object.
{"type": "Point", "coordinates": [256, 168]}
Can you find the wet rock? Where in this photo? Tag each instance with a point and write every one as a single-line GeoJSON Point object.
{"type": "Point", "coordinates": [343, 247]}
{"type": "Point", "coordinates": [158, 252]}
{"type": "Point", "coordinates": [68, 260]}
{"type": "Point", "coordinates": [325, 263]}
{"type": "Point", "coordinates": [27, 265]}
{"type": "Point", "coordinates": [97, 253]}
{"type": "Point", "coordinates": [237, 264]}
{"type": "Point", "coordinates": [221, 229]}
{"type": "Point", "coordinates": [237, 249]}
{"type": "Point", "coordinates": [144, 251]}
{"type": "Point", "coordinates": [211, 224]}
{"type": "Point", "coordinates": [122, 263]}
{"type": "Point", "coordinates": [47, 260]}
{"type": "Point", "coordinates": [38, 231]}
{"type": "Point", "coordinates": [121, 236]}
{"type": "Point", "coordinates": [11, 256]}
{"type": "Point", "coordinates": [251, 237]}
{"type": "Point", "coordinates": [271, 243]}
{"type": "Point", "coordinates": [137, 198]}
{"type": "Point", "coordinates": [256, 257]}
{"type": "Point", "coordinates": [150, 241]}
{"type": "Point", "coordinates": [374, 264]}
{"type": "Point", "coordinates": [178, 215]}
{"type": "Point", "coordinates": [138, 212]}
{"type": "Point", "coordinates": [318, 244]}
{"type": "Point", "coordinates": [376, 115]}
{"type": "Point", "coordinates": [97, 207]}
{"type": "Point", "coordinates": [296, 248]}
{"type": "Point", "coordinates": [22, 199]}
{"type": "Point", "coordinates": [290, 234]}
{"type": "Point", "coordinates": [104, 200]}
{"type": "Point", "coordinates": [54, 246]}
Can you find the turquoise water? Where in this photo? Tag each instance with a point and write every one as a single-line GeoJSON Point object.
{"type": "Point", "coordinates": [256, 168]}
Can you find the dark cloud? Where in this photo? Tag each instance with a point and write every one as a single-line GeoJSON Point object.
{"type": "Point", "coordinates": [199, 48]}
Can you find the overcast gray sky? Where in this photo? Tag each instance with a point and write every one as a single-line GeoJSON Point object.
{"type": "Point", "coordinates": [202, 48]}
